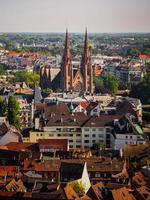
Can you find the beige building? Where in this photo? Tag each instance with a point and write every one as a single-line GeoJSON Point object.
{"type": "Point", "coordinates": [95, 129]}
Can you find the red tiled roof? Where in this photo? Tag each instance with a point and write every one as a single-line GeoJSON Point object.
{"type": "Point", "coordinates": [101, 121]}
{"type": "Point", "coordinates": [60, 109]}
{"type": "Point", "coordinates": [84, 104]}
{"type": "Point", "coordinates": [143, 57]}
{"type": "Point", "coordinates": [70, 193]}
{"type": "Point", "coordinates": [21, 146]}
{"type": "Point", "coordinates": [7, 170]}
{"type": "Point", "coordinates": [48, 166]}
{"type": "Point", "coordinates": [144, 192]}
{"type": "Point", "coordinates": [140, 179]}
{"type": "Point", "coordinates": [95, 191]}
{"type": "Point", "coordinates": [122, 194]}
{"type": "Point", "coordinates": [136, 150]}
{"type": "Point", "coordinates": [58, 144]}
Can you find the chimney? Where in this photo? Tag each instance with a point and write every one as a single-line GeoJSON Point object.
{"type": "Point", "coordinates": [61, 120]}
{"type": "Point", "coordinates": [37, 123]}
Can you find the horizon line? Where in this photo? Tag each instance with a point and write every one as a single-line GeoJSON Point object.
{"type": "Point", "coordinates": [89, 32]}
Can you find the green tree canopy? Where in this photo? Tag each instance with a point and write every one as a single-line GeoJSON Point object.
{"type": "Point", "coordinates": [132, 52]}
{"type": "Point", "coordinates": [98, 145]}
{"type": "Point", "coordinates": [2, 107]}
{"type": "Point", "coordinates": [99, 83]}
{"type": "Point", "coordinates": [78, 187]}
{"type": "Point", "coordinates": [32, 79]}
{"type": "Point", "coordinates": [14, 114]}
{"type": "Point", "coordinates": [111, 82]}
{"type": "Point", "coordinates": [107, 83]}
{"type": "Point", "coordinates": [2, 70]}
{"type": "Point", "coordinates": [142, 90]}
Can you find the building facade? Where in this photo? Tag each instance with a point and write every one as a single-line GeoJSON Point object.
{"type": "Point", "coordinates": [70, 78]}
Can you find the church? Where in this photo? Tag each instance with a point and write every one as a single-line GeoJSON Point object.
{"type": "Point", "coordinates": [69, 78]}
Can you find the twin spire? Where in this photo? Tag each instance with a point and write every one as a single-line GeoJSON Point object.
{"type": "Point", "coordinates": [68, 78]}
{"type": "Point", "coordinates": [67, 52]}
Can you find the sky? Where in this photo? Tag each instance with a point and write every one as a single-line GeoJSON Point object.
{"type": "Point", "coordinates": [55, 15]}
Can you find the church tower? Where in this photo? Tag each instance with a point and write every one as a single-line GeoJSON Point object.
{"type": "Point", "coordinates": [66, 67]}
{"type": "Point", "coordinates": [86, 67]}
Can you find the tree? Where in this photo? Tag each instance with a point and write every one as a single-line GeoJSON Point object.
{"type": "Point", "coordinates": [33, 79]}
{"type": "Point", "coordinates": [98, 145]}
{"type": "Point", "coordinates": [111, 83]}
{"type": "Point", "coordinates": [99, 84]}
{"type": "Point", "coordinates": [30, 78]}
{"type": "Point", "coordinates": [2, 70]}
{"type": "Point", "coordinates": [2, 107]}
{"type": "Point", "coordinates": [14, 114]}
{"type": "Point", "coordinates": [107, 83]}
{"type": "Point", "coordinates": [78, 187]}
{"type": "Point", "coordinates": [141, 90]}
{"type": "Point", "coordinates": [132, 52]}
{"type": "Point", "coordinates": [21, 76]}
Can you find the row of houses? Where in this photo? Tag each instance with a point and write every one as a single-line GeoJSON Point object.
{"type": "Point", "coordinates": [32, 173]}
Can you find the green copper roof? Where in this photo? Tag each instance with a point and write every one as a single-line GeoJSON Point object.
{"type": "Point", "coordinates": [138, 129]}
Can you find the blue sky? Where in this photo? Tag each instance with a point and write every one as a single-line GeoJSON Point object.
{"type": "Point", "coordinates": [56, 15]}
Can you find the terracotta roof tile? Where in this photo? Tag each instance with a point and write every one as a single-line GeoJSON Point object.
{"type": "Point", "coordinates": [122, 194]}
{"type": "Point", "coordinates": [58, 144]}
{"type": "Point", "coordinates": [70, 193]}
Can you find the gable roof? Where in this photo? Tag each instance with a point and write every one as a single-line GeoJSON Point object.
{"type": "Point", "coordinates": [22, 146]}
{"type": "Point", "coordinates": [101, 121]}
{"type": "Point", "coordinates": [95, 191]}
{"type": "Point", "coordinates": [70, 193]}
{"type": "Point", "coordinates": [122, 194]}
{"type": "Point", "coordinates": [58, 144]}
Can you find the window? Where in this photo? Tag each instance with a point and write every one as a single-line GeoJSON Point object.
{"type": "Point", "coordinates": [93, 141]}
{"type": "Point", "coordinates": [78, 146]}
{"type": "Point", "coordinates": [93, 129]}
{"type": "Point", "coordinates": [101, 129]}
{"type": "Point", "coordinates": [78, 141]}
{"type": "Point", "coordinates": [131, 137]}
{"type": "Point", "coordinates": [126, 136]}
{"type": "Point", "coordinates": [70, 140]}
{"type": "Point", "coordinates": [107, 129]}
{"type": "Point", "coordinates": [86, 135]}
{"type": "Point", "coordinates": [71, 146]}
{"type": "Point", "coordinates": [78, 135]}
{"type": "Point", "coordinates": [41, 134]}
{"type": "Point", "coordinates": [86, 141]}
{"type": "Point", "coordinates": [58, 135]}
{"type": "Point", "coordinates": [93, 135]}
{"type": "Point", "coordinates": [97, 175]}
{"type": "Point", "coordinates": [100, 136]}
{"type": "Point", "coordinates": [50, 135]}
{"type": "Point", "coordinates": [37, 134]}
{"type": "Point", "coordinates": [86, 129]}
{"type": "Point", "coordinates": [71, 135]}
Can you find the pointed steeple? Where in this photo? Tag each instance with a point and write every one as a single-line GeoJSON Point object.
{"type": "Point", "coordinates": [86, 47]}
{"type": "Point", "coordinates": [66, 53]}
{"type": "Point", "coordinates": [86, 63]}
{"type": "Point", "coordinates": [67, 40]}
{"type": "Point", "coordinates": [66, 66]}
